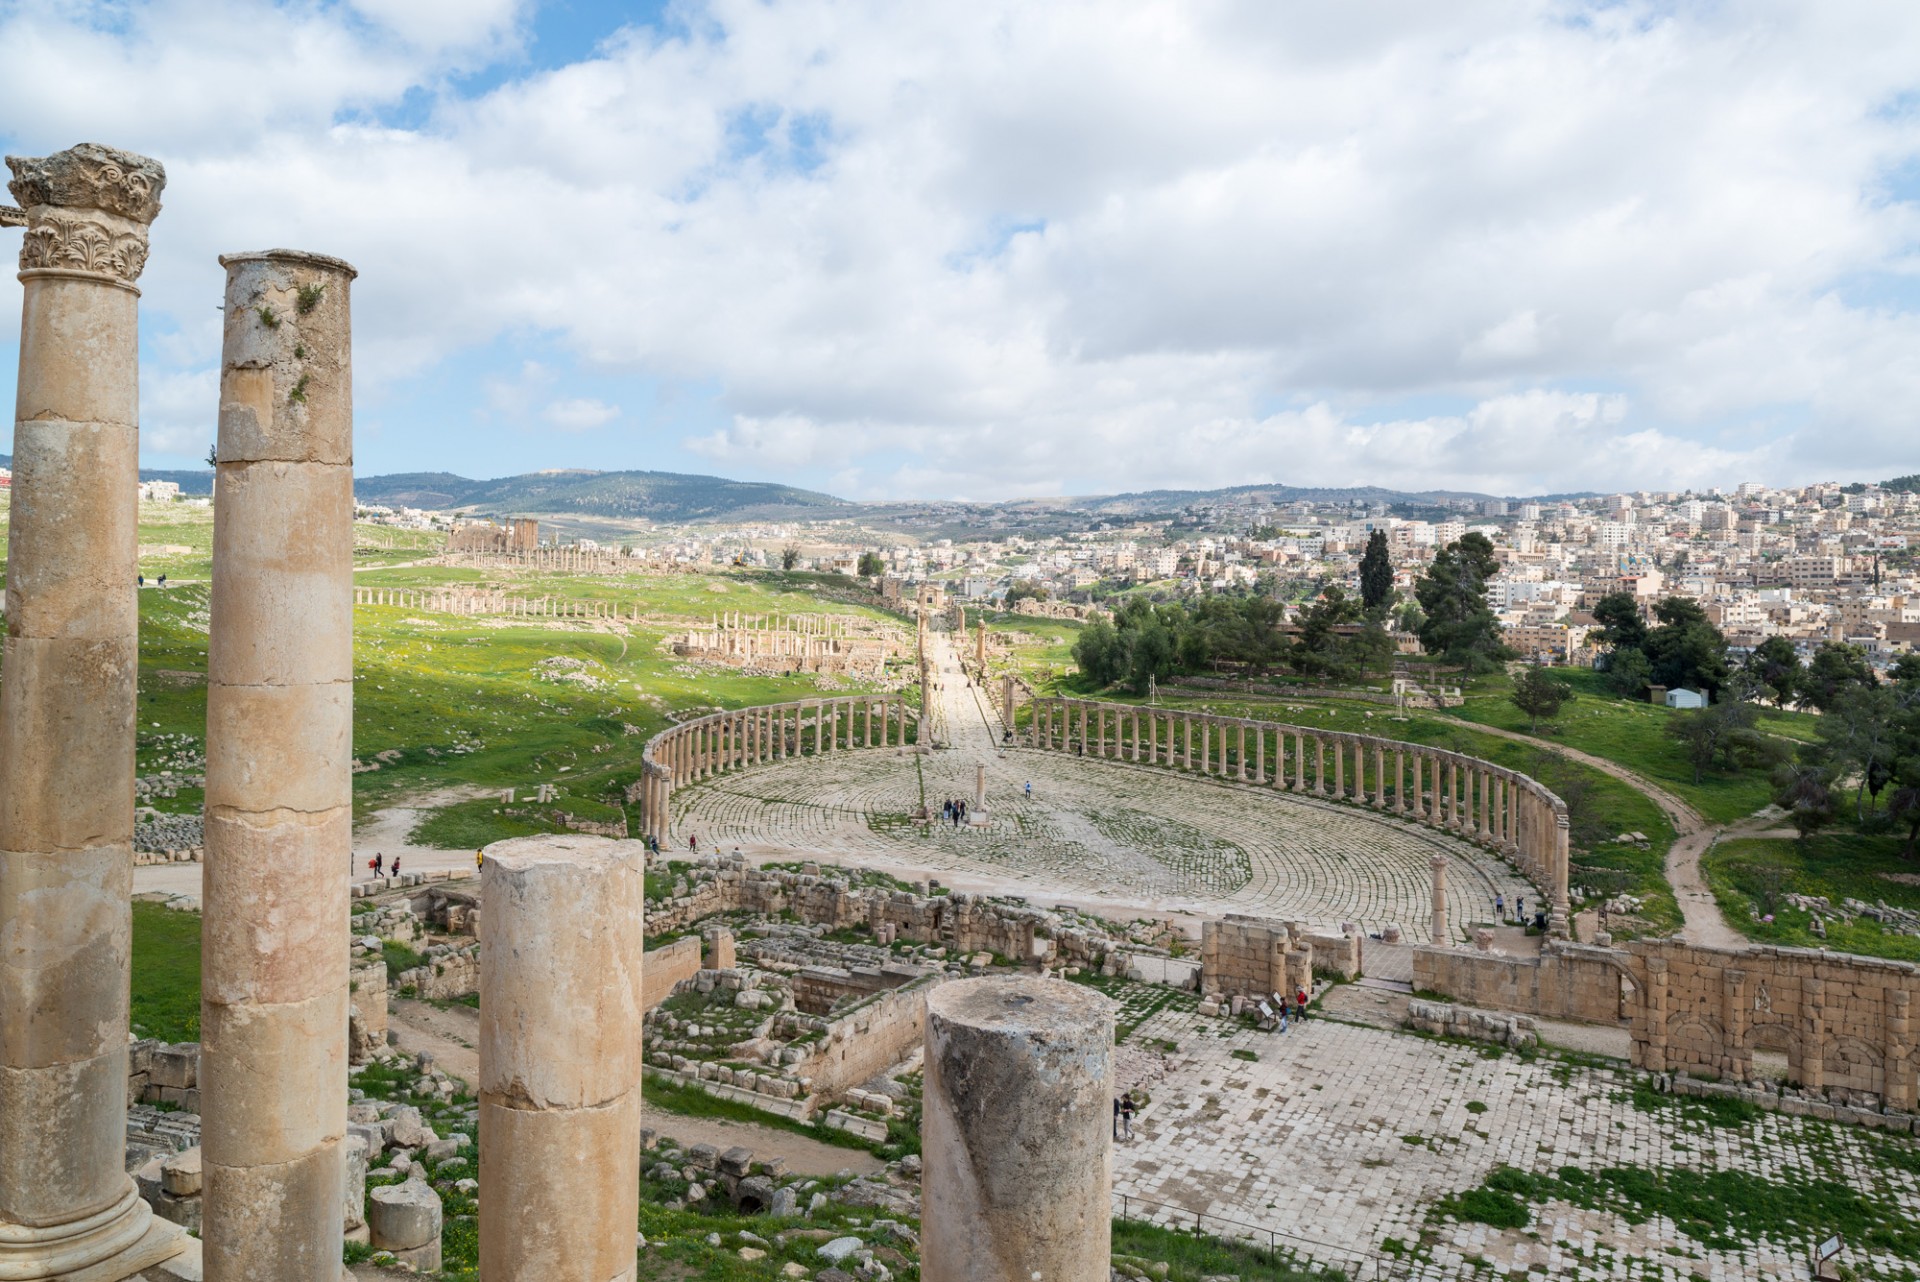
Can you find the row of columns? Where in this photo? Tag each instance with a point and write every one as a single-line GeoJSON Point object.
{"type": "Point", "coordinates": [483, 602]}
{"type": "Point", "coordinates": [726, 741]}
{"type": "Point", "coordinates": [1485, 803]}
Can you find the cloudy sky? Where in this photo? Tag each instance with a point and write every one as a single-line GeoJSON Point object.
{"type": "Point", "coordinates": [975, 248]}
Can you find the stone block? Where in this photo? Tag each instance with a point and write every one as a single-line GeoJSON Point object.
{"type": "Point", "coordinates": [180, 1174]}
{"type": "Point", "coordinates": [405, 1219]}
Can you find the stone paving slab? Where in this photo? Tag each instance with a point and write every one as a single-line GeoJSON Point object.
{"type": "Point", "coordinates": [1348, 1135]}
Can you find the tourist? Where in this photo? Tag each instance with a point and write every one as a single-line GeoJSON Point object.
{"type": "Point", "coordinates": [396, 866]}
{"type": "Point", "coordinates": [163, 580]}
{"type": "Point", "coordinates": [1303, 1004]}
{"type": "Point", "coordinates": [1500, 907]}
{"type": "Point", "coordinates": [1029, 790]}
{"type": "Point", "coordinates": [1126, 1114]}
{"type": "Point", "coordinates": [1520, 909]}
{"type": "Point", "coordinates": [479, 859]}
{"type": "Point", "coordinates": [375, 864]}
{"type": "Point", "coordinates": [693, 843]}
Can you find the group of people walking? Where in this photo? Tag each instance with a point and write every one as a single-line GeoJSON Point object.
{"type": "Point", "coordinates": [955, 812]}
{"type": "Point", "coordinates": [379, 867]}
{"type": "Point", "coordinates": [1123, 1110]}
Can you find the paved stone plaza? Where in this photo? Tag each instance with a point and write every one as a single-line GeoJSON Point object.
{"type": "Point", "coordinates": [1136, 835]}
{"type": "Point", "coordinates": [1348, 1135]}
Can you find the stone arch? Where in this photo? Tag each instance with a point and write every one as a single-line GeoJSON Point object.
{"type": "Point", "coordinates": [1853, 1063]}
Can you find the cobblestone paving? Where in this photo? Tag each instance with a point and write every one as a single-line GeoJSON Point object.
{"type": "Point", "coordinates": [1313, 1140]}
{"type": "Point", "coordinates": [1140, 835]}
{"type": "Point", "coordinates": [1146, 835]}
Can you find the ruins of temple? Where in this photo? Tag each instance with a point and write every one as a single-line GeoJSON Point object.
{"type": "Point", "coordinates": [842, 645]}
{"type": "Point", "coordinates": [520, 534]}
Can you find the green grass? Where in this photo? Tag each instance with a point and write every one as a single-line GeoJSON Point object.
{"type": "Point", "coordinates": [1722, 1210]}
{"type": "Point", "coordinates": [1190, 1257]}
{"type": "Point", "coordinates": [1633, 734]}
{"type": "Point", "coordinates": [399, 957]}
{"type": "Point", "coordinates": [690, 1101]}
{"type": "Point", "coordinates": [166, 973]}
{"type": "Point", "coordinates": [1752, 874]}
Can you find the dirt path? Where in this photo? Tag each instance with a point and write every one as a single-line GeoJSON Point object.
{"type": "Point", "coordinates": [1692, 836]}
{"type": "Point", "coordinates": [450, 1034]}
{"type": "Point", "coordinates": [803, 1156]}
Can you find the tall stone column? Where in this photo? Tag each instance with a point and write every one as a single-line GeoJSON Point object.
{"type": "Point", "coordinates": [560, 963]}
{"type": "Point", "coordinates": [1440, 936]}
{"type": "Point", "coordinates": [1017, 1132]}
{"type": "Point", "coordinates": [279, 795]}
{"type": "Point", "coordinates": [67, 705]}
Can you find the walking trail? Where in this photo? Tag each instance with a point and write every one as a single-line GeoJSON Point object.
{"type": "Point", "coordinates": [1692, 836]}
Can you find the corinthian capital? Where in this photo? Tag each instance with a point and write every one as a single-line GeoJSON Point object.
{"type": "Point", "coordinates": [86, 210]}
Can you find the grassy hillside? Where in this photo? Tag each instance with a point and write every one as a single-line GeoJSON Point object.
{"type": "Point", "coordinates": [657, 496]}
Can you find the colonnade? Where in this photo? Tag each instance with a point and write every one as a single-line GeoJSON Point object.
{"type": "Point", "coordinates": [733, 740]}
{"type": "Point", "coordinates": [1499, 808]}
{"type": "Point", "coordinates": [490, 601]}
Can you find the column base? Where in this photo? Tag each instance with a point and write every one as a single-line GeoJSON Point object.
{"type": "Point", "coordinates": [114, 1245]}
{"type": "Point", "coordinates": [1557, 924]}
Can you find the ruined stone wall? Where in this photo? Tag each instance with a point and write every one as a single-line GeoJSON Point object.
{"type": "Point", "coordinates": [965, 923]}
{"type": "Point", "coordinates": [1255, 957]}
{"type": "Point", "coordinates": [864, 1042]}
{"type": "Point", "coordinates": [1565, 981]}
{"type": "Point", "coordinates": [449, 973]}
{"type": "Point", "coordinates": [667, 966]}
{"type": "Point", "coordinates": [367, 1016]}
{"type": "Point", "coordinates": [1844, 1022]}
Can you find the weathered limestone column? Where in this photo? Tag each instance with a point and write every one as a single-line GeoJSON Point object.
{"type": "Point", "coordinates": [1440, 936]}
{"type": "Point", "coordinates": [279, 795]}
{"type": "Point", "coordinates": [560, 1059]}
{"type": "Point", "coordinates": [1018, 1146]}
{"type": "Point", "coordinates": [67, 703]}
{"type": "Point", "coordinates": [1560, 920]}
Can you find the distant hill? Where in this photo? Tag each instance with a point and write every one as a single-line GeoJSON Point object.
{"type": "Point", "coordinates": [657, 496]}
{"type": "Point", "coordinates": [1905, 484]}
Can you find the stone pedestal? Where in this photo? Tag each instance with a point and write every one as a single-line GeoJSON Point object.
{"type": "Point", "coordinates": [274, 971]}
{"type": "Point", "coordinates": [68, 1208]}
{"type": "Point", "coordinates": [560, 1058]}
{"type": "Point", "coordinates": [1017, 1132]}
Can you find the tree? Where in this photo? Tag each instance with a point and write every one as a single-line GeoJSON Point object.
{"type": "Point", "coordinates": [1540, 693]}
{"type": "Point", "coordinates": [1628, 672]}
{"type": "Point", "coordinates": [1775, 666]}
{"type": "Point", "coordinates": [1319, 649]}
{"type": "Point", "coordinates": [871, 564]}
{"type": "Point", "coordinates": [1718, 736]}
{"type": "Point", "coordinates": [1022, 590]}
{"type": "Point", "coordinates": [1095, 652]}
{"type": "Point", "coordinates": [1861, 735]}
{"type": "Point", "coordinates": [1376, 574]}
{"type": "Point", "coordinates": [1452, 593]}
{"type": "Point", "coordinates": [1834, 667]}
{"type": "Point", "coordinates": [1685, 650]}
{"type": "Point", "coordinates": [1618, 614]}
{"type": "Point", "coordinates": [789, 556]}
{"type": "Point", "coordinates": [1804, 791]}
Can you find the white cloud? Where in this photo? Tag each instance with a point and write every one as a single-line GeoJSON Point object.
{"type": "Point", "coordinates": [579, 414]}
{"type": "Point", "coordinates": [1002, 247]}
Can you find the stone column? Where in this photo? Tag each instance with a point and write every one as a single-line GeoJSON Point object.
{"type": "Point", "coordinates": [1440, 936]}
{"type": "Point", "coordinates": [560, 1059]}
{"type": "Point", "coordinates": [1018, 1150]}
{"type": "Point", "coordinates": [279, 795]}
{"type": "Point", "coordinates": [67, 715]}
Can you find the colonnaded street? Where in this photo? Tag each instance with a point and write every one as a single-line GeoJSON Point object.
{"type": "Point", "coordinates": [1129, 835]}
